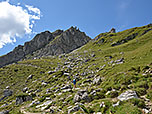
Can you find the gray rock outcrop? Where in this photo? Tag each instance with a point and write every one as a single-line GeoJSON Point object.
{"type": "Point", "coordinates": [7, 92]}
{"type": "Point", "coordinates": [81, 95]}
{"type": "Point", "coordinates": [128, 38]}
{"type": "Point", "coordinates": [5, 112]}
{"type": "Point", "coordinates": [20, 51]}
{"type": "Point", "coordinates": [127, 95]}
{"type": "Point", "coordinates": [68, 41]}
{"type": "Point", "coordinates": [35, 102]}
{"type": "Point", "coordinates": [44, 105]}
{"type": "Point", "coordinates": [25, 89]}
{"type": "Point", "coordinates": [113, 30]}
{"type": "Point", "coordinates": [24, 98]}
{"type": "Point", "coordinates": [74, 109]}
{"type": "Point", "coordinates": [46, 44]}
{"type": "Point", "coordinates": [97, 80]}
{"type": "Point", "coordinates": [77, 98]}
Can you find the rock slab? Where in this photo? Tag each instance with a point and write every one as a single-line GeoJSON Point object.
{"type": "Point", "coordinates": [127, 95]}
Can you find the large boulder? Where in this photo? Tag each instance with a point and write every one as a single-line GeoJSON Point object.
{"type": "Point", "coordinates": [113, 30]}
{"type": "Point", "coordinates": [7, 92]}
{"type": "Point", "coordinates": [23, 98]}
{"type": "Point", "coordinates": [85, 97]}
{"type": "Point", "coordinates": [127, 95]}
{"type": "Point", "coordinates": [5, 112]}
{"type": "Point", "coordinates": [77, 98]}
{"type": "Point", "coordinates": [30, 77]}
{"type": "Point", "coordinates": [97, 80]}
{"type": "Point", "coordinates": [66, 87]}
{"type": "Point", "coordinates": [74, 109]}
{"type": "Point", "coordinates": [44, 105]}
{"type": "Point", "coordinates": [25, 89]}
{"type": "Point", "coordinates": [35, 102]}
{"type": "Point", "coordinates": [82, 95]}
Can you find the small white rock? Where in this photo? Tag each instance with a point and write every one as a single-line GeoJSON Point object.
{"type": "Point", "coordinates": [146, 111]}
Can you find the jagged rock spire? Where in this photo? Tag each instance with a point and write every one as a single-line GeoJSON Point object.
{"type": "Point", "coordinates": [113, 30]}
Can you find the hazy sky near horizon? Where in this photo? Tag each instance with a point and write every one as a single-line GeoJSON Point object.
{"type": "Point", "coordinates": [21, 20]}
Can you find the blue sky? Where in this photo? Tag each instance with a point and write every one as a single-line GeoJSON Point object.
{"type": "Point", "coordinates": [90, 16]}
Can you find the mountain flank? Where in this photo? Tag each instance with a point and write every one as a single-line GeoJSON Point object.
{"type": "Point", "coordinates": [113, 74]}
{"type": "Point", "coordinates": [47, 43]}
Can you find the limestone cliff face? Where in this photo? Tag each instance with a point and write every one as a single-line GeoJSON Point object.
{"type": "Point", "coordinates": [21, 51]}
{"type": "Point", "coordinates": [47, 43]}
{"type": "Point", "coordinates": [66, 42]}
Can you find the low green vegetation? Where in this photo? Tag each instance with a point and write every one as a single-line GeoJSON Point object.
{"type": "Point", "coordinates": [122, 60]}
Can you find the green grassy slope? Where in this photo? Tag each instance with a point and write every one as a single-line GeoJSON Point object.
{"type": "Point", "coordinates": [122, 60]}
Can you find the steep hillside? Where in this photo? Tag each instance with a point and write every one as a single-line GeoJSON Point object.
{"type": "Point", "coordinates": [113, 73]}
{"type": "Point", "coordinates": [47, 43]}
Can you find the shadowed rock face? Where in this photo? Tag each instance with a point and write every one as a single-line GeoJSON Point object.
{"type": "Point", "coordinates": [47, 43]}
{"type": "Point", "coordinates": [113, 30]}
{"type": "Point", "coordinates": [68, 41]}
{"type": "Point", "coordinates": [20, 52]}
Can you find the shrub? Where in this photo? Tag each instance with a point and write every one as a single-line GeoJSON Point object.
{"type": "Point", "coordinates": [141, 84]}
{"type": "Point", "coordinates": [150, 85]}
{"type": "Point", "coordinates": [149, 94]}
{"type": "Point", "coordinates": [117, 86]}
{"type": "Point", "coordinates": [42, 99]}
{"type": "Point", "coordinates": [140, 91]}
{"type": "Point", "coordinates": [138, 102]}
{"type": "Point", "coordinates": [99, 95]}
{"type": "Point", "coordinates": [113, 94]}
{"type": "Point", "coordinates": [96, 108]}
{"type": "Point", "coordinates": [90, 110]}
{"type": "Point", "coordinates": [108, 88]}
{"type": "Point", "coordinates": [22, 95]}
{"type": "Point", "coordinates": [84, 109]}
{"type": "Point", "coordinates": [124, 87]}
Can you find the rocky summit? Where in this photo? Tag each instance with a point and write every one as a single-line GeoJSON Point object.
{"type": "Point", "coordinates": [47, 43]}
{"type": "Point", "coordinates": [66, 42]}
{"type": "Point", "coordinates": [113, 73]}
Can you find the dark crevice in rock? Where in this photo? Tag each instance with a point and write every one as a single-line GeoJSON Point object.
{"type": "Point", "coordinates": [145, 32]}
{"type": "Point", "coordinates": [131, 37]}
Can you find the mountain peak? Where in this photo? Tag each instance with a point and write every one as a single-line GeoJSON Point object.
{"type": "Point", "coordinates": [57, 32]}
{"type": "Point", "coordinates": [66, 42]}
{"type": "Point", "coordinates": [47, 43]}
{"type": "Point", "coordinates": [113, 30]}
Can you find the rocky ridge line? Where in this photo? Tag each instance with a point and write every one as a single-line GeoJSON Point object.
{"type": "Point", "coordinates": [47, 43]}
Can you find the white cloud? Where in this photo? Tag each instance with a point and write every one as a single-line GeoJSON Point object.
{"type": "Point", "coordinates": [16, 21]}
{"type": "Point", "coordinates": [18, 4]}
{"type": "Point", "coordinates": [35, 10]}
